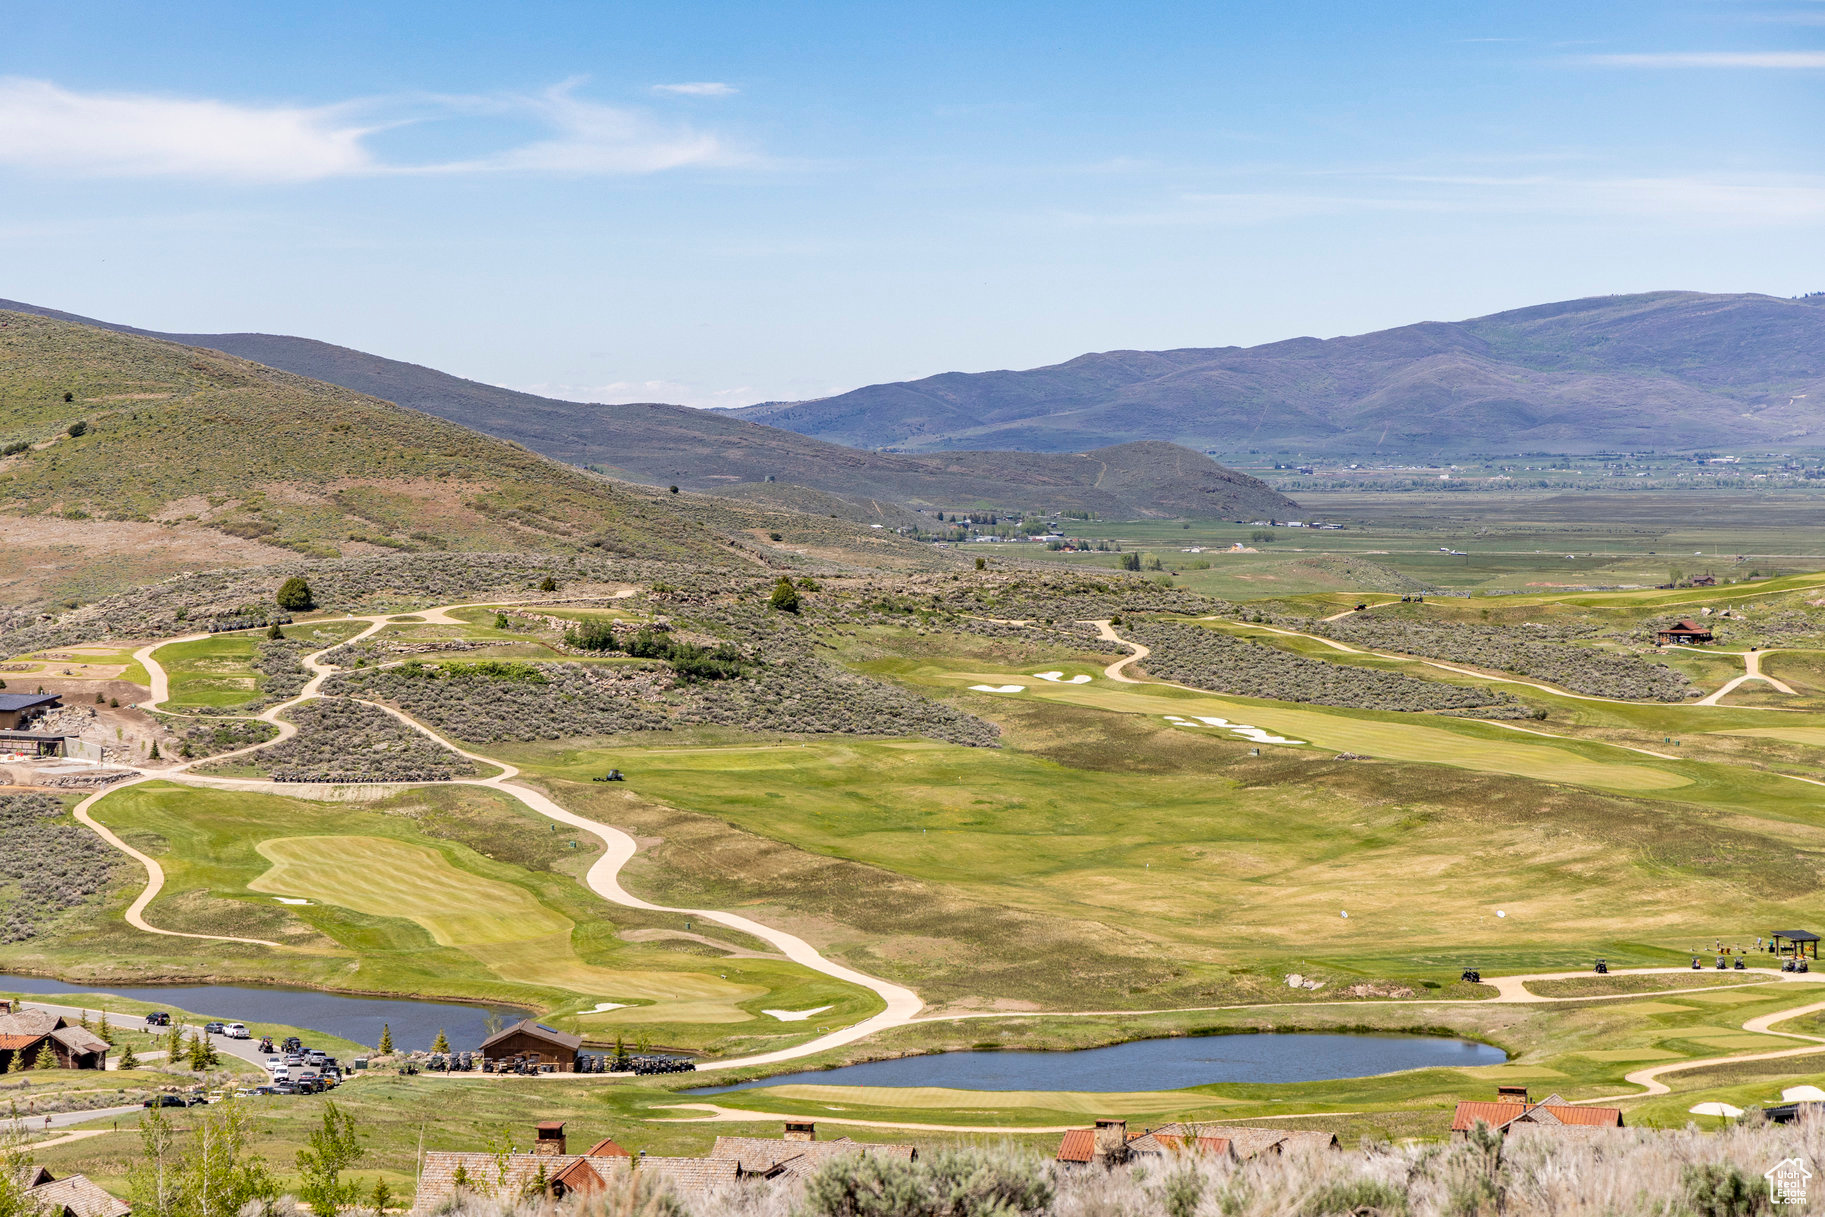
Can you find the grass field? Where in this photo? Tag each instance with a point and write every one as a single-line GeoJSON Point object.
{"type": "Point", "coordinates": [218, 673]}
{"type": "Point", "coordinates": [456, 892]}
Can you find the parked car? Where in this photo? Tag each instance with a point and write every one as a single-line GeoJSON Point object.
{"type": "Point", "coordinates": [158, 1018]}
{"type": "Point", "coordinates": [284, 1088]}
{"type": "Point", "coordinates": [237, 1031]}
{"type": "Point", "coordinates": [214, 1028]}
{"type": "Point", "coordinates": [281, 1074]}
{"type": "Point", "coordinates": [165, 1100]}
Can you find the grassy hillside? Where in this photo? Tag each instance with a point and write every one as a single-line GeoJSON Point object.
{"type": "Point", "coordinates": [1660, 370]}
{"type": "Point", "coordinates": [713, 450]}
{"type": "Point", "coordinates": [181, 436]}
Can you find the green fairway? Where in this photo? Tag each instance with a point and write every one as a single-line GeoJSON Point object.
{"type": "Point", "coordinates": [214, 672]}
{"type": "Point", "coordinates": [454, 892]}
{"type": "Point", "coordinates": [499, 923]}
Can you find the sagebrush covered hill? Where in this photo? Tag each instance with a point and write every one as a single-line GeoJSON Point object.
{"type": "Point", "coordinates": [114, 426]}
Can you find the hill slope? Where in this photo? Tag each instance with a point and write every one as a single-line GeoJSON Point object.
{"type": "Point", "coordinates": [712, 450]}
{"type": "Point", "coordinates": [1664, 370]}
{"type": "Point", "coordinates": [184, 436]}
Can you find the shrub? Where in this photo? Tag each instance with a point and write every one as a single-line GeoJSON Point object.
{"type": "Point", "coordinates": [785, 596]}
{"type": "Point", "coordinates": [344, 741]}
{"type": "Point", "coordinates": [591, 635]}
{"type": "Point", "coordinates": [1211, 659]}
{"type": "Point", "coordinates": [78, 428]}
{"type": "Point", "coordinates": [294, 595]}
{"type": "Point", "coordinates": [49, 864]}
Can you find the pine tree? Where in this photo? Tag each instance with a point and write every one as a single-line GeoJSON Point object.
{"type": "Point", "coordinates": [441, 1043]}
{"type": "Point", "coordinates": [385, 1047]}
{"type": "Point", "coordinates": [153, 755]}
{"type": "Point", "coordinates": [128, 1059]}
{"type": "Point", "coordinates": [197, 1053]}
{"type": "Point", "coordinates": [174, 1044]}
{"type": "Point", "coordinates": [383, 1196]}
{"type": "Point", "coordinates": [44, 1058]}
{"type": "Point", "coordinates": [460, 1180]}
{"type": "Point", "coordinates": [785, 596]}
{"type": "Point", "coordinates": [548, 584]}
{"type": "Point", "coordinates": [274, 632]}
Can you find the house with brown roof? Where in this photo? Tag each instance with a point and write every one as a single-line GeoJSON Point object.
{"type": "Point", "coordinates": [551, 1171]}
{"type": "Point", "coordinates": [798, 1153]}
{"type": "Point", "coordinates": [1109, 1143]}
{"type": "Point", "coordinates": [23, 1034]}
{"type": "Point", "coordinates": [1683, 633]}
{"type": "Point", "coordinates": [1511, 1111]}
{"type": "Point", "coordinates": [534, 1044]}
{"type": "Point", "coordinates": [72, 1196]}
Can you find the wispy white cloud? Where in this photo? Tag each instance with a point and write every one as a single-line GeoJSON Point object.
{"type": "Point", "coordinates": [54, 129]}
{"type": "Point", "coordinates": [1780, 60]}
{"type": "Point", "coordinates": [699, 88]}
{"type": "Point", "coordinates": [1712, 201]}
{"type": "Point", "coordinates": [49, 129]}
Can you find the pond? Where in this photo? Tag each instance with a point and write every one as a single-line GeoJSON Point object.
{"type": "Point", "coordinates": [414, 1024]}
{"type": "Point", "coordinates": [1159, 1064]}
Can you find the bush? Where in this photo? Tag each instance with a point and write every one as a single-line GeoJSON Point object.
{"type": "Point", "coordinates": [294, 595]}
{"type": "Point", "coordinates": [78, 428]}
{"type": "Point", "coordinates": [1549, 656]}
{"type": "Point", "coordinates": [344, 741]}
{"type": "Point", "coordinates": [785, 596]}
{"type": "Point", "coordinates": [52, 864]}
{"type": "Point", "coordinates": [591, 635]}
{"type": "Point", "coordinates": [949, 1183]}
{"type": "Point", "coordinates": [1211, 659]}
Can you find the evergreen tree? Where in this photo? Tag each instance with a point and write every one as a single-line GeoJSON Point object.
{"type": "Point", "coordinates": [385, 1047]}
{"type": "Point", "coordinates": [128, 1058]}
{"type": "Point", "coordinates": [153, 755]}
{"type": "Point", "coordinates": [274, 632]}
{"type": "Point", "coordinates": [548, 584]}
{"type": "Point", "coordinates": [383, 1196]}
{"type": "Point", "coordinates": [500, 621]}
{"type": "Point", "coordinates": [622, 1064]}
{"type": "Point", "coordinates": [328, 1151]}
{"type": "Point", "coordinates": [441, 1043]}
{"type": "Point", "coordinates": [460, 1180]}
{"type": "Point", "coordinates": [785, 596]}
{"type": "Point", "coordinates": [174, 1044]}
{"type": "Point", "coordinates": [197, 1053]}
{"type": "Point", "coordinates": [294, 595]}
{"type": "Point", "coordinates": [44, 1058]}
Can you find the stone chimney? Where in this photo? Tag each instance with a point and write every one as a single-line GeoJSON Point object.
{"type": "Point", "coordinates": [1111, 1141]}
{"type": "Point", "coordinates": [800, 1130]}
{"type": "Point", "coordinates": [550, 1141]}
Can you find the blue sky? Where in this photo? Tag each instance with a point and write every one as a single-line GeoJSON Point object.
{"type": "Point", "coordinates": [719, 204]}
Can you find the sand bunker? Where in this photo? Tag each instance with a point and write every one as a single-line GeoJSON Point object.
{"type": "Point", "coordinates": [998, 688]}
{"type": "Point", "coordinates": [1059, 678]}
{"type": "Point", "coordinates": [1253, 734]}
{"type": "Point", "coordinates": [795, 1016]}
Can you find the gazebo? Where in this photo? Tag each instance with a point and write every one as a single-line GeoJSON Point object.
{"type": "Point", "coordinates": [1799, 939]}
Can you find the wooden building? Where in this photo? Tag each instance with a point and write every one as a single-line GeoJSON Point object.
{"type": "Point", "coordinates": [535, 1044]}
{"type": "Point", "coordinates": [71, 1196]}
{"type": "Point", "coordinates": [25, 1034]}
{"type": "Point", "coordinates": [1683, 633]}
{"type": "Point", "coordinates": [550, 1171]}
{"type": "Point", "coordinates": [1512, 1111]}
{"type": "Point", "coordinates": [19, 709]}
{"type": "Point", "coordinates": [798, 1152]}
{"type": "Point", "coordinates": [1799, 940]}
{"type": "Point", "coordinates": [1110, 1143]}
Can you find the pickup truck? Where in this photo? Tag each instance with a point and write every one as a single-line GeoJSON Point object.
{"type": "Point", "coordinates": [237, 1031]}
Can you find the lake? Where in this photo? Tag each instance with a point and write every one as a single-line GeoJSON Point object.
{"type": "Point", "coordinates": [1158, 1064]}
{"type": "Point", "coordinates": [414, 1024]}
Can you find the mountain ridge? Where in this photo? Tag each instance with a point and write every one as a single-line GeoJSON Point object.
{"type": "Point", "coordinates": [710, 451]}
{"type": "Point", "coordinates": [1659, 369]}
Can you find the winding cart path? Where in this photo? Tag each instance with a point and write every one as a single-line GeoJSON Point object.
{"type": "Point", "coordinates": [604, 877]}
